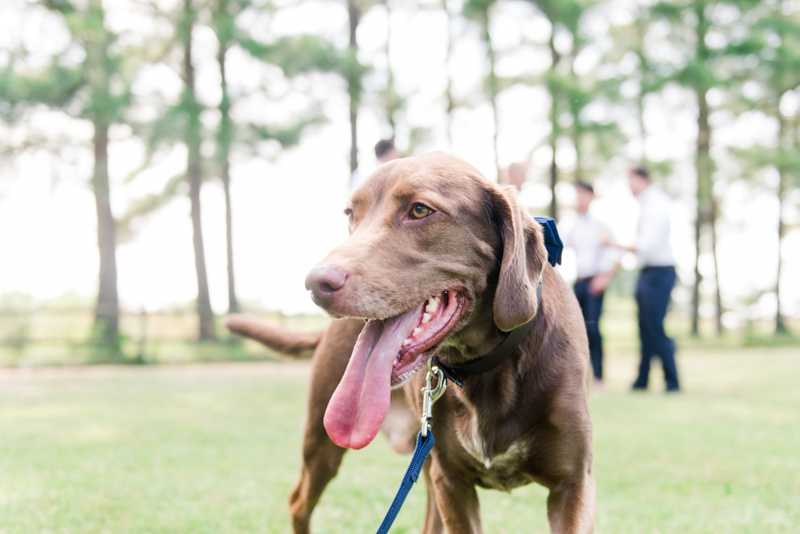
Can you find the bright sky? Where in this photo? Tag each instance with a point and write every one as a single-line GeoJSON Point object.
{"type": "Point", "coordinates": [288, 209]}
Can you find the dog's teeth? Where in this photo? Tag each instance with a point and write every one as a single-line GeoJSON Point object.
{"type": "Point", "coordinates": [415, 332]}
{"type": "Point", "coordinates": [426, 317]}
{"type": "Point", "coordinates": [406, 342]}
{"type": "Point", "coordinates": [432, 305]}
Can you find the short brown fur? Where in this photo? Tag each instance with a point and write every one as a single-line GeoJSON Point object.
{"type": "Point", "coordinates": [526, 420]}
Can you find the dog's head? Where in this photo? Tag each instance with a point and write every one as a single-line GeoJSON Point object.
{"type": "Point", "coordinates": [436, 254]}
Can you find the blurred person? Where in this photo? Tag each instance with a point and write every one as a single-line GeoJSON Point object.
{"type": "Point", "coordinates": [385, 151]}
{"type": "Point", "coordinates": [595, 270]}
{"type": "Point", "coordinates": [514, 175]}
{"type": "Point", "coordinates": [656, 279]}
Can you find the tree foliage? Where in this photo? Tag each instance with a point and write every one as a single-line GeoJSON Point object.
{"type": "Point", "coordinates": [746, 50]}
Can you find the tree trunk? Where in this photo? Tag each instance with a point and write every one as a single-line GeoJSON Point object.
{"type": "Point", "coordinates": [233, 302]}
{"type": "Point", "coordinates": [224, 148]}
{"type": "Point", "coordinates": [493, 87]}
{"type": "Point", "coordinates": [554, 129]}
{"type": "Point", "coordinates": [106, 323]}
{"type": "Point", "coordinates": [576, 142]}
{"type": "Point", "coordinates": [553, 180]}
{"type": "Point", "coordinates": [449, 88]}
{"type": "Point", "coordinates": [107, 310]}
{"type": "Point", "coordinates": [718, 292]}
{"type": "Point", "coordinates": [353, 84]}
{"type": "Point", "coordinates": [706, 213]}
{"type": "Point", "coordinates": [698, 230]}
{"type": "Point", "coordinates": [642, 131]}
{"type": "Point", "coordinates": [704, 197]}
{"type": "Point", "coordinates": [391, 105]}
{"type": "Point", "coordinates": [641, 32]}
{"type": "Point", "coordinates": [704, 193]}
{"type": "Point", "coordinates": [194, 177]}
{"type": "Point", "coordinates": [576, 125]}
{"type": "Point", "coordinates": [780, 324]}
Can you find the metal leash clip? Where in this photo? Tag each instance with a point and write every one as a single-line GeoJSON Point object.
{"type": "Point", "coordinates": [429, 396]}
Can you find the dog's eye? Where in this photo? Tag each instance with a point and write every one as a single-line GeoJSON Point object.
{"type": "Point", "coordinates": [349, 214]}
{"type": "Point", "coordinates": [420, 211]}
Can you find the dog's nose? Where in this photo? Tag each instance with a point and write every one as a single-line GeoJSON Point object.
{"type": "Point", "coordinates": [324, 281]}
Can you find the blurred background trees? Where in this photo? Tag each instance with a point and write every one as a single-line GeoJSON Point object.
{"type": "Point", "coordinates": [294, 56]}
{"type": "Point", "coordinates": [769, 83]}
{"type": "Point", "coordinates": [83, 91]}
{"type": "Point", "coordinates": [244, 87]}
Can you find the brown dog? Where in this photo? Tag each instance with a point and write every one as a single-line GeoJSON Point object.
{"type": "Point", "coordinates": [440, 260]}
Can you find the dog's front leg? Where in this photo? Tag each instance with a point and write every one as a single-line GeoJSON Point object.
{"type": "Point", "coordinates": [321, 456]}
{"type": "Point", "coordinates": [457, 500]}
{"type": "Point", "coordinates": [321, 459]}
{"type": "Point", "coordinates": [570, 508]}
{"type": "Point", "coordinates": [433, 520]}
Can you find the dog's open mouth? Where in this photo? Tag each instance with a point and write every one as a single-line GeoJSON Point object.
{"type": "Point", "coordinates": [438, 316]}
{"type": "Point", "coordinates": [388, 352]}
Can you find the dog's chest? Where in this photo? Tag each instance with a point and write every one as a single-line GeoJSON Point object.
{"type": "Point", "coordinates": [503, 470]}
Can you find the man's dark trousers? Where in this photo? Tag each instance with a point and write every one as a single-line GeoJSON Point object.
{"type": "Point", "coordinates": [592, 307]}
{"type": "Point", "coordinates": [653, 292]}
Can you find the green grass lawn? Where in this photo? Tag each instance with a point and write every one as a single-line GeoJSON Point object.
{"type": "Point", "coordinates": [216, 448]}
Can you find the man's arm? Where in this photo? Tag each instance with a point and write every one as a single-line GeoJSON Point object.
{"type": "Point", "coordinates": [609, 242]}
{"type": "Point", "coordinates": [600, 281]}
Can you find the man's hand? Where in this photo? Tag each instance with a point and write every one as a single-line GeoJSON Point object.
{"type": "Point", "coordinates": [600, 282]}
{"type": "Point", "coordinates": [605, 239]}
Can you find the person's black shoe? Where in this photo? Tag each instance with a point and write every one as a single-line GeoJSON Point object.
{"type": "Point", "coordinates": [674, 389]}
{"type": "Point", "coordinates": [638, 388]}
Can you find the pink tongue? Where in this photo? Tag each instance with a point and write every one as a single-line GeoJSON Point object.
{"type": "Point", "coordinates": [361, 401]}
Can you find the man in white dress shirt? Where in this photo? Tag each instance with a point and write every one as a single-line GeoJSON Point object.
{"type": "Point", "coordinates": [595, 269]}
{"type": "Point", "coordinates": [656, 279]}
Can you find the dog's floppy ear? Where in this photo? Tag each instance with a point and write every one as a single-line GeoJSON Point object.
{"type": "Point", "coordinates": [524, 257]}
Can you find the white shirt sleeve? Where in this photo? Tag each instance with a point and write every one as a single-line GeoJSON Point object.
{"type": "Point", "coordinates": [653, 236]}
{"type": "Point", "coordinates": [613, 254]}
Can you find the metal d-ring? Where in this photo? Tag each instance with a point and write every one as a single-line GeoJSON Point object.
{"type": "Point", "coordinates": [429, 396]}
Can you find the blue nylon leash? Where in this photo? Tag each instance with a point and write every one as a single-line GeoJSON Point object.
{"type": "Point", "coordinates": [424, 446]}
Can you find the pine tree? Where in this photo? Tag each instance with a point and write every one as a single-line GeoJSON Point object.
{"type": "Point", "coordinates": [775, 41]}
{"type": "Point", "coordinates": [353, 73]}
{"type": "Point", "coordinates": [391, 100]}
{"type": "Point", "coordinates": [84, 92]}
{"type": "Point", "coordinates": [295, 56]}
{"type": "Point", "coordinates": [223, 23]}
{"type": "Point", "coordinates": [192, 137]}
{"type": "Point", "coordinates": [450, 104]}
{"type": "Point", "coordinates": [563, 15]}
{"type": "Point", "coordinates": [480, 11]}
{"type": "Point", "coordinates": [692, 22]}
{"type": "Point", "coordinates": [595, 140]}
{"type": "Point", "coordinates": [632, 38]}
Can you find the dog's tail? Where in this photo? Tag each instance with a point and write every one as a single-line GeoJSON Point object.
{"type": "Point", "coordinates": [296, 344]}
